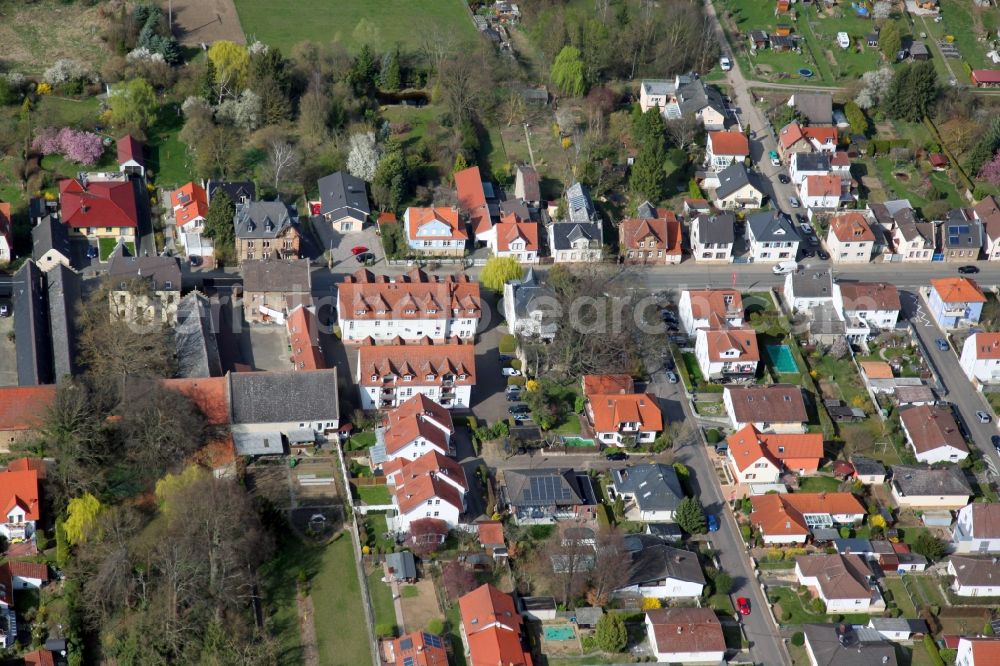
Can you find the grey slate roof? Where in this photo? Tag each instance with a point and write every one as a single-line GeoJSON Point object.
{"type": "Point", "coordinates": [283, 397]}
{"type": "Point", "coordinates": [531, 296]}
{"type": "Point", "coordinates": [960, 231]}
{"type": "Point", "coordinates": [262, 219]}
{"type": "Point", "coordinates": [196, 346]}
{"type": "Point", "coordinates": [692, 94]}
{"type": "Point", "coordinates": [655, 486]}
{"type": "Point", "coordinates": [563, 234]}
{"type": "Point", "coordinates": [268, 443]}
{"type": "Point", "coordinates": [402, 564]}
{"type": "Point", "coordinates": [646, 211]}
{"type": "Point", "coordinates": [866, 466]}
{"type": "Point", "coordinates": [719, 228]}
{"type": "Point", "coordinates": [290, 276]}
{"type": "Point", "coordinates": [812, 161]}
{"type": "Point", "coordinates": [732, 179]}
{"type": "Point", "coordinates": [31, 326]}
{"type": "Point", "coordinates": [975, 571]}
{"type": "Point", "coordinates": [913, 480]}
{"type": "Point", "coordinates": [163, 273]}
{"type": "Point", "coordinates": [817, 108]}
{"type": "Point", "coordinates": [579, 207]}
{"type": "Point", "coordinates": [841, 645]}
{"type": "Point", "coordinates": [772, 226]}
{"type": "Point", "coordinates": [543, 486]}
{"type": "Point", "coordinates": [343, 195]}
{"type": "Point", "coordinates": [238, 191]}
{"type": "Point", "coordinates": [50, 234]}
{"type": "Point", "coordinates": [588, 616]}
{"type": "Point", "coordinates": [659, 561]}
{"type": "Point", "coordinates": [665, 531]}
{"type": "Point", "coordinates": [517, 207]}
{"type": "Point", "coordinates": [812, 284]}
{"type": "Point", "coordinates": [63, 297]}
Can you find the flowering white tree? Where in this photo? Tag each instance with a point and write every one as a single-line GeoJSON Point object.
{"type": "Point", "coordinates": [244, 112]}
{"type": "Point", "coordinates": [64, 70]}
{"type": "Point", "coordinates": [876, 84]}
{"type": "Point", "coordinates": [363, 159]}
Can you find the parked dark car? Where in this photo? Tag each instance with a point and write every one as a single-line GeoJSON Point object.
{"type": "Point", "coordinates": [519, 410]}
{"type": "Point", "coordinates": [823, 254]}
{"type": "Point", "coordinates": [616, 455]}
{"type": "Point", "coordinates": [783, 179]}
{"type": "Point", "coordinates": [713, 522]}
{"type": "Point", "coordinates": [995, 439]}
{"type": "Point", "coordinates": [968, 270]}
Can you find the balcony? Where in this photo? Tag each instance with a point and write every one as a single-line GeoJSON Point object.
{"type": "Point", "coordinates": [960, 313]}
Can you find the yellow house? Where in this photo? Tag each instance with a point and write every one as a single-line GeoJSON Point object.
{"type": "Point", "coordinates": [99, 206]}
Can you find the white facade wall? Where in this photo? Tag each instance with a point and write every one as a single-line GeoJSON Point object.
{"type": "Point", "coordinates": [967, 543]}
{"type": "Point", "coordinates": [370, 395]}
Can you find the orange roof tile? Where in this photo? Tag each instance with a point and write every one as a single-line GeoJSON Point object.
{"type": "Point", "coordinates": [491, 533]}
{"type": "Point", "coordinates": [958, 290]}
{"type": "Point", "coordinates": [729, 143]}
{"type": "Point", "coordinates": [469, 186]}
{"type": "Point", "coordinates": [932, 427]}
{"type": "Point", "coordinates": [820, 134]}
{"type": "Point", "coordinates": [985, 650]}
{"type": "Point", "coordinates": [99, 204]}
{"type": "Point", "coordinates": [29, 570]}
{"type": "Point", "coordinates": [424, 478]}
{"type": "Point", "coordinates": [24, 464]}
{"type": "Point", "coordinates": [743, 340]}
{"type": "Point", "coordinates": [39, 658]}
{"type": "Point", "coordinates": [420, 405]}
{"type": "Point", "coordinates": [508, 232]}
{"type": "Point", "coordinates": [189, 202]}
{"type": "Point", "coordinates": [782, 514]}
{"type": "Point", "coordinates": [747, 446]}
{"type": "Point", "coordinates": [851, 227]}
{"type": "Point", "coordinates": [414, 649]}
{"type": "Point", "coordinates": [664, 232]}
{"type": "Point", "coordinates": [20, 489]}
{"type": "Point", "coordinates": [823, 186]}
{"type": "Point", "coordinates": [303, 334]}
{"type": "Point", "coordinates": [493, 627]}
{"type": "Point", "coordinates": [415, 295]}
{"type": "Point", "coordinates": [611, 411]}
{"type": "Point", "coordinates": [877, 369]}
{"type": "Point", "coordinates": [790, 134]}
{"type": "Point", "coordinates": [418, 217]}
{"type": "Point", "coordinates": [23, 407]}
{"type": "Point", "coordinates": [987, 345]}
{"type": "Point", "coordinates": [426, 364]}
{"type": "Point", "coordinates": [404, 431]}
{"type": "Point", "coordinates": [726, 303]}
{"type": "Point", "coordinates": [209, 394]}
{"type": "Point", "coordinates": [607, 384]}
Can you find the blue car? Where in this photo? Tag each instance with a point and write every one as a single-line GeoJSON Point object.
{"type": "Point", "coordinates": [713, 523]}
{"type": "Point", "coordinates": [942, 344]}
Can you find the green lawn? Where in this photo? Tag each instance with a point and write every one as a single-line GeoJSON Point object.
{"type": "Point", "coordinates": [570, 427]}
{"type": "Point", "coordinates": [377, 528]}
{"type": "Point", "coordinates": [279, 577]}
{"type": "Point", "coordinates": [454, 631]}
{"type": "Point", "coordinates": [818, 484]}
{"type": "Point", "coordinates": [900, 596]}
{"type": "Point", "coordinates": [385, 612]}
{"type": "Point", "coordinates": [960, 19]}
{"type": "Point", "coordinates": [844, 375]}
{"type": "Point", "coordinates": [793, 603]}
{"type": "Point", "coordinates": [379, 23]}
{"type": "Point", "coordinates": [374, 494]}
{"type": "Point", "coordinates": [914, 190]}
{"type": "Point", "coordinates": [340, 624]}
{"type": "Point", "coordinates": [361, 440]}
{"type": "Point", "coordinates": [166, 155]}
{"type": "Point", "coordinates": [409, 591]}
{"type": "Point", "coordinates": [107, 245]}
{"type": "Point", "coordinates": [721, 603]}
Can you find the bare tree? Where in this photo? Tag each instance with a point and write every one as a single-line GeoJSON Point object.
{"type": "Point", "coordinates": [282, 160]}
{"type": "Point", "coordinates": [569, 556]}
{"type": "Point", "coordinates": [611, 567]}
{"type": "Point", "coordinates": [683, 131]}
{"type": "Point", "coordinates": [111, 582]}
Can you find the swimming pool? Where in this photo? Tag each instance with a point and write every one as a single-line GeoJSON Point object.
{"type": "Point", "coordinates": [562, 632]}
{"type": "Point", "coordinates": [781, 358]}
{"type": "Point", "coordinates": [577, 441]}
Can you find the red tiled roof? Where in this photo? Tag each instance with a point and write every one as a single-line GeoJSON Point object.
{"type": "Point", "coordinates": [39, 658]}
{"type": "Point", "coordinates": [424, 478]}
{"type": "Point", "coordinates": [932, 427]}
{"type": "Point", "coordinates": [744, 340]}
{"type": "Point", "coordinates": [775, 403]}
{"type": "Point", "coordinates": [490, 645]}
{"type": "Point", "coordinates": [986, 75]}
{"type": "Point", "coordinates": [782, 514]}
{"type": "Point", "coordinates": [418, 217]}
{"type": "Point", "coordinates": [823, 186]}
{"type": "Point", "coordinates": [870, 296]}
{"type": "Point", "coordinates": [469, 186]}
{"type": "Point", "coordinates": [491, 533]}
{"type": "Point", "coordinates": [958, 290]}
{"type": "Point", "coordinates": [404, 431]}
{"type": "Point", "coordinates": [413, 296]}
{"type": "Point", "coordinates": [987, 345]}
{"type": "Point", "coordinates": [790, 134]}
{"type": "Point", "coordinates": [610, 411]}
{"type": "Point", "coordinates": [209, 394]}
{"type": "Point", "coordinates": [820, 134]}
{"type": "Point", "coordinates": [851, 227]}
{"type": "Point", "coordinates": [419, 360]}
{"type": "Point", "coordinates": [686, 630]}
{"type": "Point", "coordinates": [607, 384]}
{"type": "Point", "coordinates": [129, 148]}
{"type": "Point", "coordinates": [729, 143]}
{"type": "Point", "coordinates": [29, 570]}
{"type": "Point", "coordinates": [986, 520]}
{"type": "Point", "coordinates": [507, 232]}
{"type": "Point", "coordinates": [303, 334]}
{"type": "Point", "coordinates": [747, 446]}
{"type": "Point", "coordinates": [663, 231]}
{"type": "Point", "coordinates": [6, 227]}
{"type": "Point", "coordinates": [414, 650]}
{"type": "Point", "coordinates": [23, 407]}
{"type": "Point", "coordinates": [723, 302]}
{"type": "Point", "coordinates": [420, 405]}
{"type": "Point", "coordinates": [189, 202]}
{"type": "Point", "coordinates": [877, 369]}
{"type": "Point", "coordinates": [20, 489]}
{"type": "Point", "coordinates": [985, 650]}
{"type": "Point", "coordinates": [101, 204]}
{"type": "Point", "coordinates": [24, 464]}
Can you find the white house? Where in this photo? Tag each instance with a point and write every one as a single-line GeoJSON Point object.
{"type": "Point", "coordinates": [733, 189]}
{"type": "Point", "coordinates": [843, 582]}
{"type": "Point", "coordinates": [725, 147]}
{"type": "Point", "coordinates": [20, 499]}
{"type": "Point", "coordinates": [661, 571]}
{"type": "Point", "coordinates": [576, 242]}
{"type": "Point", "coordinates": [933, 434]}
{"type": "Point", "coordinates": [435, 231]}
{"type": "Point", "coordinates": [432, 486]}
{"type": "Point", "coordinates": [684, 96]}
{"type": "Point", "coordinates": [921, 487]}
{"type": "Point", "coordinates": [978, 652]}
{"type": "Point", "coordinates": [868, 308]}
{"type": "Point", "coordinates": [410, 307]}
{"type": "Point", "coordinates": [988, 213]}
{"type": "Point", "coordinates": [803, 165]}
{"type": "Point", "coordinates": [850, 239]}
{"type": "Point", "coordinates": [514, 238]}
{"type": "Point", "coordinates": [727, 354]}
{"type": "Point", "coordinates": [621, 419]}
{"type": "Point", "coordinates": [808, 290]}
{"type": "Point", "coordinates": [530, 308]}
{"type": "Point", "coordinates": [686, 636]}
{"type": "Point", "coordinates": [416, 427]}
{"type": "Point", "coordinates": [977, 529]}
{"type": "Point", "coordinates": [980, 358]}
{"type": "Point", "coordinates": [771, 408]}
{"type": "Point", "coordinates": [974, 576]}
{"type": "Point", "coordinates": [389, 375]}
{"type": "Point", "coordinates": [712, 237]}
{"type": "Point", "coordinates": [789, 517]}
{"type": "Point", "coordinates": [756, 457]}
{"type": "Point", "coordinates": [825, 192]}
{"type": "Point", "coordinates": [651, 491]}
{"type": "Point", "coordinates": [772, 237]}
{"type": "Point", "coordinates": [710, 308]}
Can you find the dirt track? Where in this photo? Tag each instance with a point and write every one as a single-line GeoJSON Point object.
{"type": "Point", "coordinates": [206, 21]}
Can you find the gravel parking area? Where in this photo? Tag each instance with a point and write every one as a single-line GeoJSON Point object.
{"type": "Point", "coordinates": [268, 347]}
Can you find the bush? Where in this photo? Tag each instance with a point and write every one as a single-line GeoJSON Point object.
{"type": "Point", "coordinates": [603, 516]}
{"type": "Point", "coordinates": [515, 381]}
{"type": "Point", "coordinates": [611, 634]}
{"type": "Point", "coordinates": [786, 615]}
{"type": "Point", "coordinates": [775, 555]}
{"type": "Point", "coordinates": [723, 583]}
{"type": "Point", "coordinates": [435, 626]}
{"type": "Point", "coordinates": [712, 436]}
{"type": "Point", "coordinates": [508, 344]}
{"type": "Point", "coordinates": [746, 531]}
{"type": "Point", "coordinates": [798, 639]}
{"type": "Point", "coordinates": [516, 364]}
{"type": "Point", "coordinates": [385, 630]}
{"type": "Point", "coordinates": [818, 606]}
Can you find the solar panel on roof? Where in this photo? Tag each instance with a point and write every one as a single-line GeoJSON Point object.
{"type": "Point", "coordinates": [433, 641]}
{"type": "Point", "coordinates": [407, 661]}
{"type": "Point", "coordinates": [406, 644]}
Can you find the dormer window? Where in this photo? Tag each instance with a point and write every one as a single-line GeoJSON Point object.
{"type": "Point", "coordinates": [359, 312]}
{"type": "Point", "coordinates": [429, 378]}
{"type": "Point", "coordinates": [410, 311]}
{"type": "Point", "coordinates": [374, 378]}
{"type": "Point", "coordinates": [408, 378]}
{"type": "Point", "coordinates": [168, 285]}
{"type": "Point", "coordinates": [381, 312]}
{"type": "Point", "coordinates": [461, 377]}
{"type": "Point", "coordinates": [388, 378]}
{"type": "Point", "coordinates": [454, 311]}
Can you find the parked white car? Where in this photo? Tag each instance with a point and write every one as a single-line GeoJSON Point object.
{"type": "Point", "coordinates": [784, 267]}
{"type": "Point", "coordinates": [510, 372]}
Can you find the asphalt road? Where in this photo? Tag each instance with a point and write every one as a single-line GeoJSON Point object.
{"type": "Point", "coordinates": [957, 388]}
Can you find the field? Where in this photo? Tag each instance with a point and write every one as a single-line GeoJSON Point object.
{"type": "Point", "coordinates": [205, 21]}
{"type": "Point", "coordinates": [340, 624]}
{"type": "Point", "coordinates": [381, 24]}
{"type": "Point", "coordinates": [36, 34]}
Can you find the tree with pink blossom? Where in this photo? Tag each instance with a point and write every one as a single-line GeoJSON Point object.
{"type": "Point", "coordinates": [75, 145]}
{"type": "Point", "coordinates": [47, 141]}
{"type": "Point", "coordinates": [991, 170]}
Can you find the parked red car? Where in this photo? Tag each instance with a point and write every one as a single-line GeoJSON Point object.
{"type": "Point", "coordinates": [358, 249]}
{"type": "Point", "coordinates": [743, 604]}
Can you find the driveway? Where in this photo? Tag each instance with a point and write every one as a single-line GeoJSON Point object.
{"type": "Point", "coordinates": [956, 387]}
{"type": "Point", "coordinates": [8, 353]}
{"type": "Point", "coordinates": [268, 347]}
{"type": "Point", "coordinates": [489, 403]}
{"type": "Point", "coordinates": [339, 245]}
